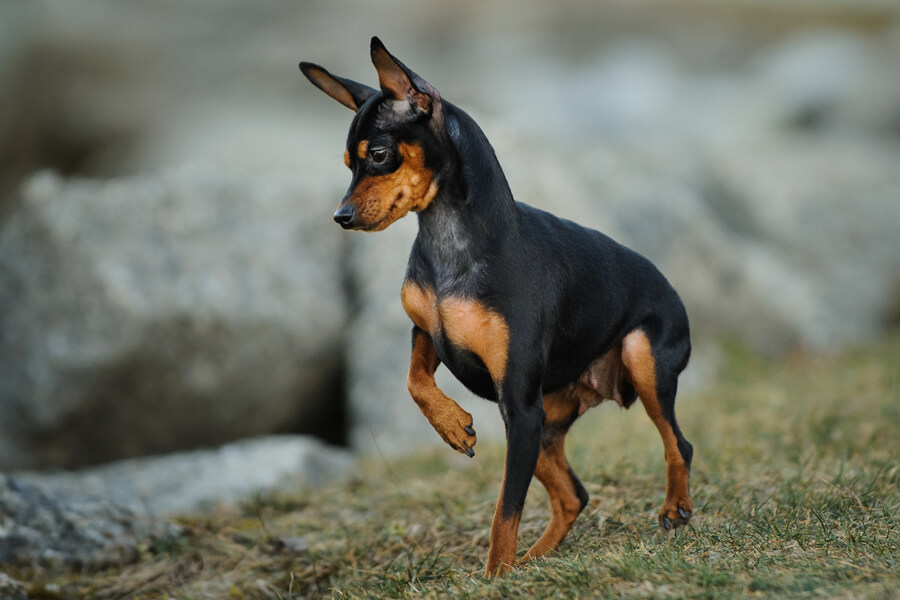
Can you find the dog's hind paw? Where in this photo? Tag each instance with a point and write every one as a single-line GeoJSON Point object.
{"type": "Point", "coordinates": [675, 514]}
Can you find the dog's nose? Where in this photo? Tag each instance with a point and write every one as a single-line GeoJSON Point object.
{"type": "Point", "coordinates": [343, 216]}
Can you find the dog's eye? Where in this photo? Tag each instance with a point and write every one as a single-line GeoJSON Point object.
{"type": "Point", "coordinates": [379, 155]}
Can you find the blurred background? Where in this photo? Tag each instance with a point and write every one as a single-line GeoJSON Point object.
{"type": "Point", "coordinates": [171, 279]}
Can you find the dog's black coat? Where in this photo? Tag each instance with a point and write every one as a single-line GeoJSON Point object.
{"type": "Point", "coordinates": [568, 294]}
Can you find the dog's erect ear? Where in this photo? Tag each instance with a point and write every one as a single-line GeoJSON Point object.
{"type": "Point", "coordinates": [402, 85]}
{"type": "Point", "coordinates": [347, 92]}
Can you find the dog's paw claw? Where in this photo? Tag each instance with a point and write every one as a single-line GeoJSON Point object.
{"type": "Point", "coordinates": [457, 431]}
{"type": "Point", "coordinates": [674, 515]}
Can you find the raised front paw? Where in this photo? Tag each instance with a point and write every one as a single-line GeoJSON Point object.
{"type": "Point", "coordinates": [454, 425]}
{"type": "Point", "coordinates": [675, 513]}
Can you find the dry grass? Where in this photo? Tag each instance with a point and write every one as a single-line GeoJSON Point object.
{"type": "Point", "coordinates": [795, 486]}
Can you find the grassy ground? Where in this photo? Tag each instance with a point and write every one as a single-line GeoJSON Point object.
{"type": "Point", "coordinates": [795, 487]}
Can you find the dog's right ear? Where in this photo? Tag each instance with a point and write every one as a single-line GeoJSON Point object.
{"type": "Point", "coordinates": [349, 93]}
{"type": "Point", "coordinates": [401, 85]}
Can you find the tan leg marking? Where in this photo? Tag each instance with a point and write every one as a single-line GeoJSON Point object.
{"type": "Point", "coordinates": [559, 406]}
{"type": "Point", "coordinates": [637, 355]}
{"type": "Point", "coordinates": [450, 421]}
{"type": "Point", "coordinates": [470, 325]}
{"type": "Point", "coordinates": [553, 473]}
{"type": "Point", "coordinates": [504, 539]}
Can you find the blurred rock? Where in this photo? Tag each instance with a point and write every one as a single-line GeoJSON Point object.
{"type": "Point", "coordinates": [829, 78]}
{"type": "Point", "coordinates": [110, 89]}
{"type": "Point", "coordinates": [199, 481]}
{"type": "Point", "coordinates": [781, 241]}
{"type": "Point", "coordinates": [811, 74]}
{"type": "Point", "coordinates": [165, 312]}
{"type": "Point", "coordinates": [38, 529]}
{"type": "Point", "coordinates": [812, 225]}
{"type": "Point", "coordinates": [10, 589]}
{"type": "Point", "coordinates": [107, 90]}
{"type": "Point", "coordinates": [74, 98]}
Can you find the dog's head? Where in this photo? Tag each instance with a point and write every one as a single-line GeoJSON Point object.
{"type": "Point", "coordinates": [393, 148]}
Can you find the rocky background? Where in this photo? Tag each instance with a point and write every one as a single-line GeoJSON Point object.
{"type": "Point", "coordinates": [171, 280]}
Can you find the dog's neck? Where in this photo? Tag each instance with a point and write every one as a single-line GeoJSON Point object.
{"type": "Point", "coordinates": [473, 215]}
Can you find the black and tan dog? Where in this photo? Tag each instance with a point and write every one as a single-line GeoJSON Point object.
{"type": "Point", "coordinates": [543, 316]}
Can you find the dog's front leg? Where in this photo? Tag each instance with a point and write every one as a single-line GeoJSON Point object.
{"type": "Point", "coordinates": [452, 423]}
{"type": "Point", "coordinates": [523, 414]}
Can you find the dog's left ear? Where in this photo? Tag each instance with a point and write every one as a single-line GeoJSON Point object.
{"type": "Point", "coordinates": [401, 85]}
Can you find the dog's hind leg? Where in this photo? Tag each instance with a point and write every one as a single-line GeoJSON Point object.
{"type": "Point", "coordinates": [566, 493]}
{"type": "Point", "coordinates": [656, 383]}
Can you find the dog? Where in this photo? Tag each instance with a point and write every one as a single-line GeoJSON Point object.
{"type": "Point", "coordinates": [536, 313]}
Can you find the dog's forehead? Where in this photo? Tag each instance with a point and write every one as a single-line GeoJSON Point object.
{"type": "Point", "coordinates": [377, 116]}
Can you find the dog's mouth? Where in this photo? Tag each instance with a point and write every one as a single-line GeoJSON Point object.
{"type": "Point", "coordinates": [378, 225]}
{"type": "Point", "coordinates": [393, 213]}
{"type": "Point", "coordinates": [368, 227]}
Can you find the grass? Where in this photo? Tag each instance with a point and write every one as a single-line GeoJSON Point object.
{"type": "Point", "coordinates": [795, 487]}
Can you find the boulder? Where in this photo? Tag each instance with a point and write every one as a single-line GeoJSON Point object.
{"type": "Point", "coordinates": [37, 529]}
{"type": "Point", "coordinates": [99, 517]}
{"type": "Point", "coordinates": [780, 241]}
{"type": "Point", "coordinates": [199, 481]}
{"type": "Point", "coordinates": [829, 79]}
{"type": "Point", "coordinates": [811, 255]}
{"type": "Point", "coordinates": [10, 589]}
{"type": "Point", "coordinates": [165, 312]}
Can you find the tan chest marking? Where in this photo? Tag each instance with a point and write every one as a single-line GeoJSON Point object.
{"type": "Point", "coordinates": [465, 322]}
{"type": "Point", "coordinates": [470, 325]}
{"type": "Point", "coordinates": [421, 306]}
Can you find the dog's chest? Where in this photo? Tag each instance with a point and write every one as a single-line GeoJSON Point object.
{"type": "Point", "coordinates": [459, 324]}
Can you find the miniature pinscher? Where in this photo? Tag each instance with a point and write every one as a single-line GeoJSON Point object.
{"type": "Point", "coordinates": [536, 313]}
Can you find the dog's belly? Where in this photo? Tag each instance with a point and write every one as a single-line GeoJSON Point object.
{"type": "Point", "coordinates": [474, 326]}
{"type": "Point", "coordinates": [605, 378]}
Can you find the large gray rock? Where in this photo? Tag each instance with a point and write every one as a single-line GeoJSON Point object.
{"type": "Point", "coordinates": [779, 240]}
{"type": "Point", "coordinates": [164, 312]}
{"type": "Point", "coordinates": [40, 529]}
{"type": "Point", "coordinates": [10, 589]}
{"type": "Point", "coordinates": [99, 517]}
{"type": "Point", "coordinates": [829, 79]}
{"type": "Point", "coordinates": [202, 480]}
{"type": "Point", "coordinates": [809, 253]}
